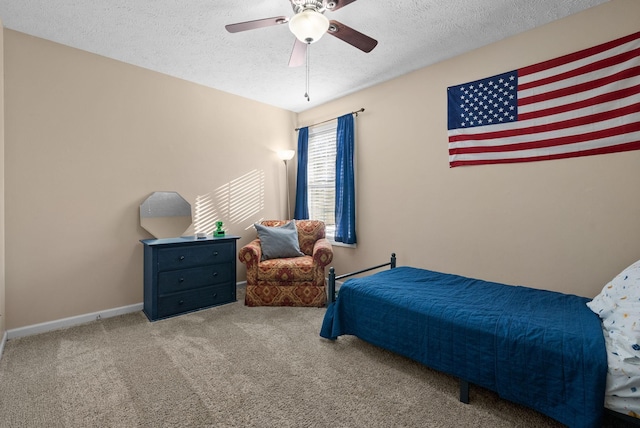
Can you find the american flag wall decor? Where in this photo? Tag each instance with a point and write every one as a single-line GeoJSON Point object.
{"type": "Point", "coordinates": [581, 104]}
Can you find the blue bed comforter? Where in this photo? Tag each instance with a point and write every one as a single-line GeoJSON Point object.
{"type": "Point", "coordinates": [539, 348]}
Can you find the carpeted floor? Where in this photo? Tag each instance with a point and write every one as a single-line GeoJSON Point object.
{"type": "Point", "coordinates": [230, 366]}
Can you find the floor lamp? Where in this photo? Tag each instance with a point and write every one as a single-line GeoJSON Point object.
{"type": "Point", "coordinates": [286, 155]}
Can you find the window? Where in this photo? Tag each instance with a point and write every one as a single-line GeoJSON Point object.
{"type": "Point", "coordinates": [321, 176]}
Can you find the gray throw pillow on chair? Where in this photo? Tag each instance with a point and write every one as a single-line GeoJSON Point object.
{"type": "Point", "coordinates": [279, 241]}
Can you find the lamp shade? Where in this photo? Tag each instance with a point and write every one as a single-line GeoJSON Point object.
{"type": "Point", "coordinates": [308, 26]}
{"type": "Point", "coordinates": [286, 155]}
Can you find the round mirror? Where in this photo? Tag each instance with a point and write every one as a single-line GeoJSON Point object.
{"type": "Point", "coordinates": [165, 215]}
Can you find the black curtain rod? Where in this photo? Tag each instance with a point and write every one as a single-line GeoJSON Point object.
{"type": "Point", "coordinates": [325, 121]}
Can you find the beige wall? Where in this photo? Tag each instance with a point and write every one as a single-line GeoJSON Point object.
{"type": "Point", "coordinates": [87, 140]}
{"type": "Point", "coordinates": [566, 225]}
{"type": "Point", "coordinates": [3, 318]}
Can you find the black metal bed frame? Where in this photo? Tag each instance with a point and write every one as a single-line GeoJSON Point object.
{"type": "Point", "coordinates": [333, 278]}
{"type": "Point", "coordinates": [613, 419]}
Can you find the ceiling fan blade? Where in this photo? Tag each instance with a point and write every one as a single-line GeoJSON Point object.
{"type": "Point", "coordinates": [258, 23]}
{"type": "Point", "coordinates": [351, 36]}
{"type": "Point", "coordinates": [339, 4]}
{"type": "Point", "coordinates": [299, 54]}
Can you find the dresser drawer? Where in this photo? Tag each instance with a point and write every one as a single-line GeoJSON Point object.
{"type": "Point", "coordinates": [187, 279]}
{"type": "Point", "coordinates": [187, 256]}
{"type": "Point", "coordinates": [196, 299]}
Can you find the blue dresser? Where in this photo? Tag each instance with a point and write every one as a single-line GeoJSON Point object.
{"type": "Point", "coordinates": [187, 274]}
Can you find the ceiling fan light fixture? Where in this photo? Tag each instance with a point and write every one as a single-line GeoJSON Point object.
{"type": "Point", "coordinates": [309, 25]}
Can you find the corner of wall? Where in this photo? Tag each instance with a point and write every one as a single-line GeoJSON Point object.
{"type": "Point", "coordinates": [2, 251]}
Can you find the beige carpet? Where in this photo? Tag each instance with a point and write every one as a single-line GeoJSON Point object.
{"type": "Point", "coordinates": [230, 366]}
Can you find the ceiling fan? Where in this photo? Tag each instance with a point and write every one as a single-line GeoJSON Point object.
{"type": "Point", "coordinates": [309, 24]}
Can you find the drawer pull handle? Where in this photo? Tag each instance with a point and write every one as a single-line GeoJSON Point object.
{"type": "Point", "coordinates": [181, 257]}
{"type": "Point", "coordinates": [181, 280]}
{"type": "Point", "coordinates": [215, 253]}
{"type": "Point", "coordinates": [215, 274]}
{"type": "Point", "coordinates": [181, 302]}
{"type": "Point", "coordinates": [215, 295]}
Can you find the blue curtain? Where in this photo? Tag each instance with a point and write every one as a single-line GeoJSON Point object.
{"type": "Point", "coordinates": [345, 182]}
{"type": "Point", "coordinates": [301, 212]}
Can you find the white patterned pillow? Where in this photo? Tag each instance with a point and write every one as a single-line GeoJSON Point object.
{"type": "Point", "coordinates": [618, 305]}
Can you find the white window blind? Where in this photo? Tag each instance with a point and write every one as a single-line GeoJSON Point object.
{"type": "Point", "coordinates": [321, 175]}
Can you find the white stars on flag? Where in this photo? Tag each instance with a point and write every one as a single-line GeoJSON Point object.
{"type": "Point", "coordinates": [488, 101]}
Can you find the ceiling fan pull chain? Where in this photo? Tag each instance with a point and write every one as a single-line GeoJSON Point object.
{"type": "Point", "coordinates": [306, 94]}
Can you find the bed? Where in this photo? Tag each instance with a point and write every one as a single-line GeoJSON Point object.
{"type": "Point", "coordinates": [542, 349]}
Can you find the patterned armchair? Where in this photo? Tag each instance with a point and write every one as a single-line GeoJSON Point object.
{"type": "Point", "coordinates": [295, 281]}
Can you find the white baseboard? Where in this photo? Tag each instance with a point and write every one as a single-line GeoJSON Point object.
{"type": "Point", "coordinates": [70, 322]}
{"type": "Point", "coordinates": [2, 342]}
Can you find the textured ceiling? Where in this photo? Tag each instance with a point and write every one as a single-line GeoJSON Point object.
{"type": "Point", "coordinates": [187, 39]}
